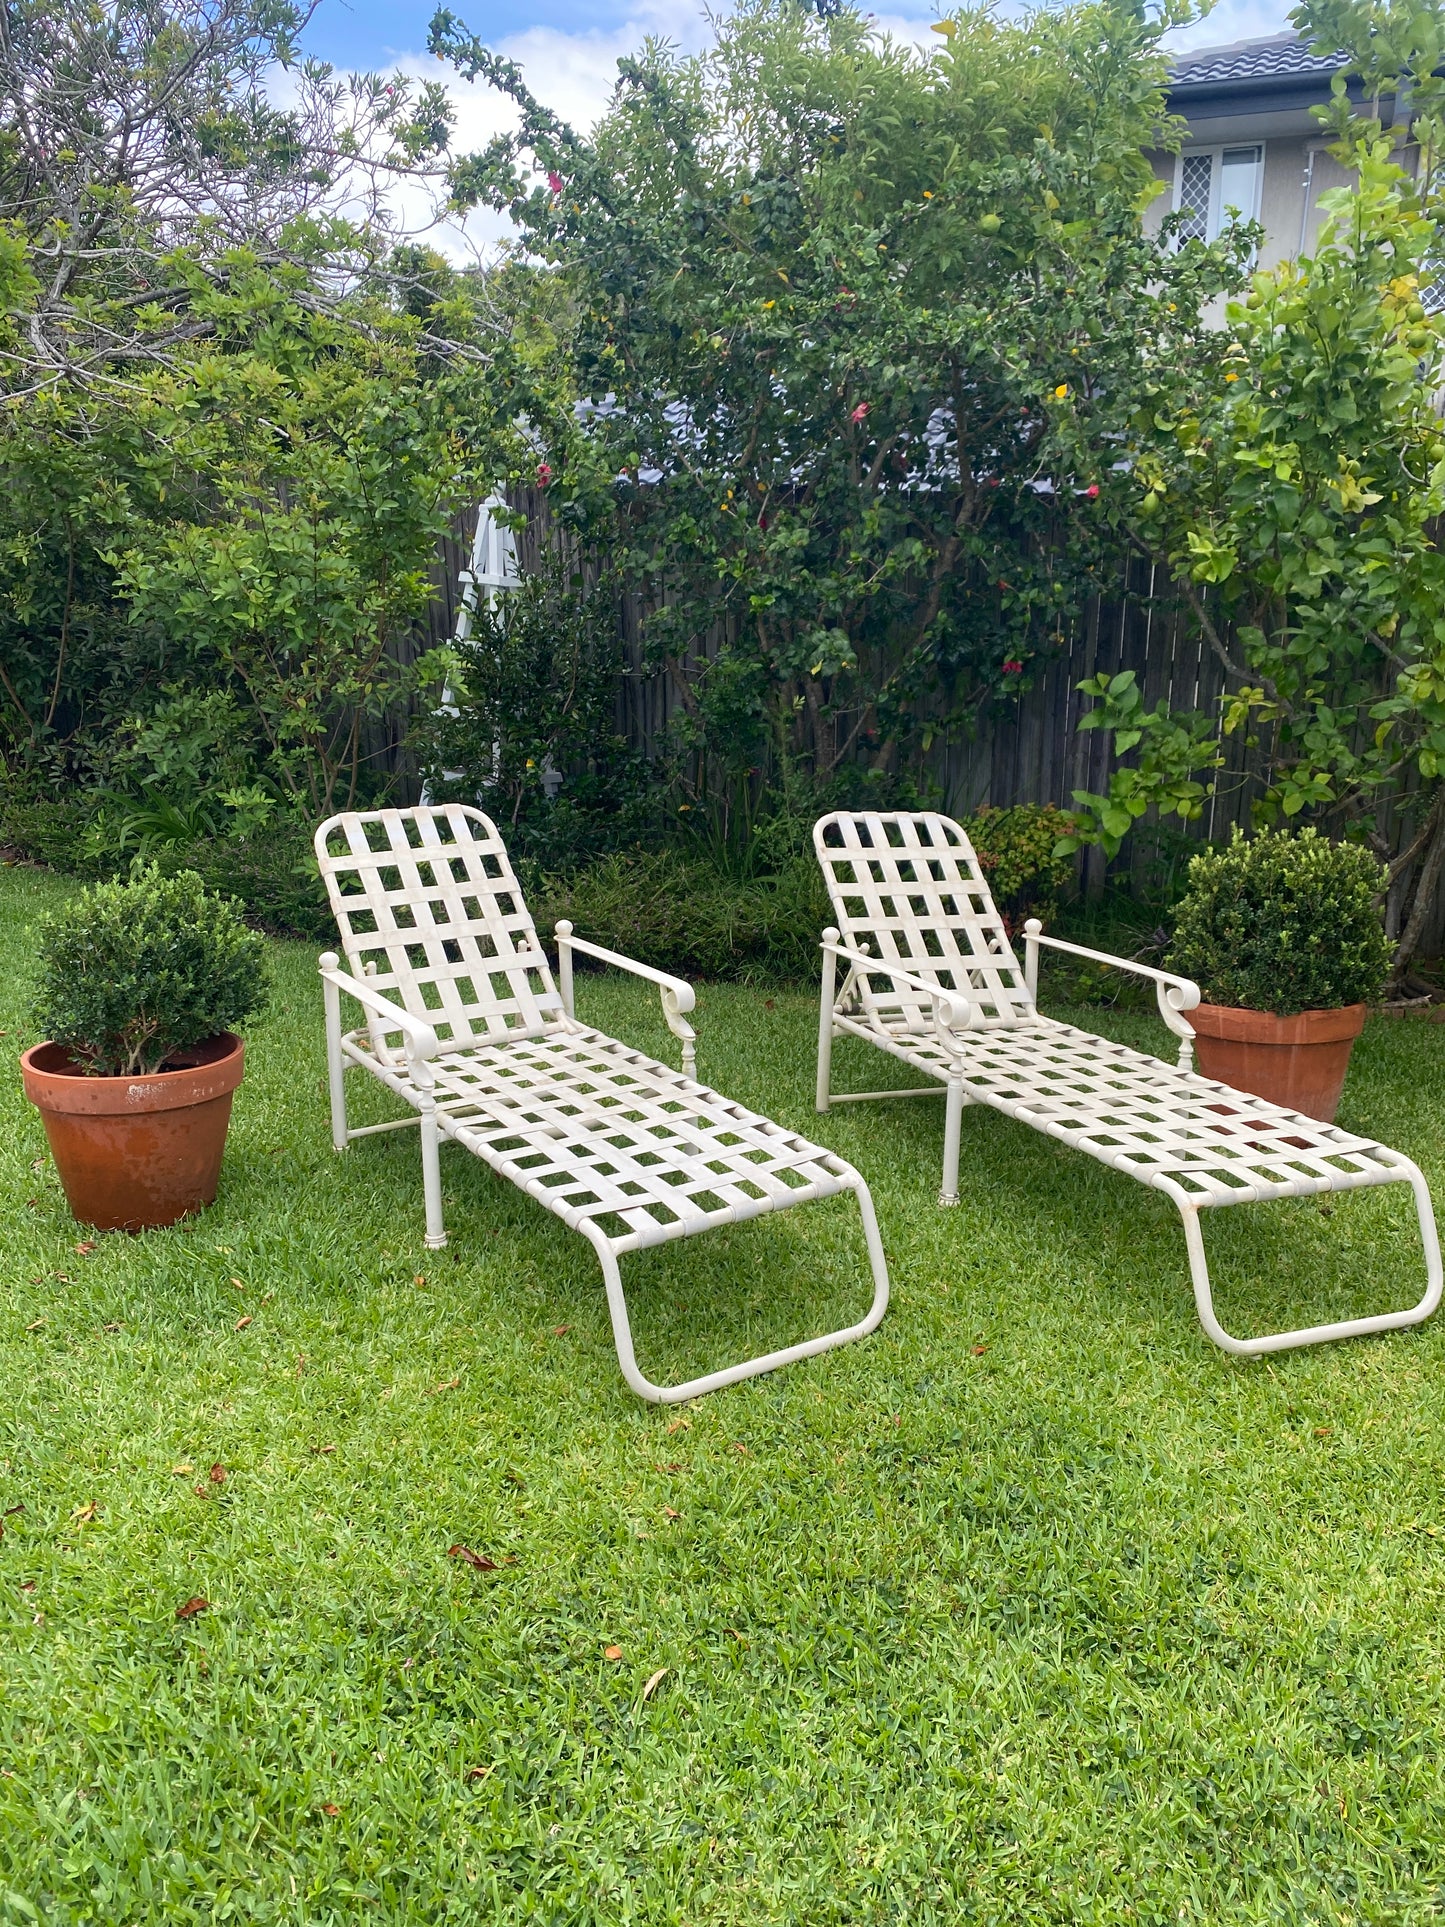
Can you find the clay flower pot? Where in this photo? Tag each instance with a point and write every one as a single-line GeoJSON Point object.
{"type": "Point", "coordinates": [133, 1152]}
{"type": "Point", "coordinates": [1297, 1062]}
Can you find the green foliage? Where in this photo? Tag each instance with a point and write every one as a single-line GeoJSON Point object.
{"type": "Point", "coordinates": [1294, 490]}
{"type": "Point", "coordinates": [132, 973]}
{"type": "Point", "coordinates": [853, 332]}
{"type": "Point", "coordinates": [1283, 922]}
{"type": "Point", "coordinates": [533, 694]}
{"type": "Point", "coordinates": [685, 913]}
{"type": "Point", "coordinates": [1018, 850]}
{"type": "Point", "coordinates": [238, 416]}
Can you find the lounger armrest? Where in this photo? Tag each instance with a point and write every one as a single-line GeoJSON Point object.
{"type": "Point", "coordinates": [421, 1040]}
{"type": "Point", "coordinates": [678, 996]}
{"type": "Point", "coordinates": [952, 1010]}
{"type": "Point", "coordinates": [1175, 994]}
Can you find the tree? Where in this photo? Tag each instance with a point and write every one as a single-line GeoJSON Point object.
{"type": "Point", "coordinates": [853, 331]}
{"type": "Point", "coordinates": [1295, 493]}
{"type": "Point", "coordinates": [242, 403]}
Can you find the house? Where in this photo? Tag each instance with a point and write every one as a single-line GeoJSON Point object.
{"type": "Point", "coordinates": [1252, 144]}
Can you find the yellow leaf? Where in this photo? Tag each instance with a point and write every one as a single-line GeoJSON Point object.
{"type": "Point", "coordinates": [657, 1678]}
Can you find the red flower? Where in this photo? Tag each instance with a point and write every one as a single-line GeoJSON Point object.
{"type": "Point", "coordinates": [1013, 667]}
{"type": "Point", "coordinates": [1092, 492]}
{"type": "Point", "coordinates": [554, 181]}
{"type": "Point", "coordinates": [859, 412]}
{"type": "Point", "coordinates": [544, 474]}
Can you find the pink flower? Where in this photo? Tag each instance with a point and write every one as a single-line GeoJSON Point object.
{"type": "Point", "coordinates": [554, 181]}
{"type": "Point", "coordinates": [859, 412]}
{"type": "Point", "coordinates": [544, 474]}
{"type": "Point", "coordinates": [1013, 667]}
{"type": "Point", "coordinates": [1092, 492]}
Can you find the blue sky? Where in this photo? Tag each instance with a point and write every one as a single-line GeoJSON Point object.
{"type": "Point", "coordinates": [569, 49]}
{"type": "Point", "coordinates": [374, 33]}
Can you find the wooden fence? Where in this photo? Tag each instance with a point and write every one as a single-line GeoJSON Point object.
{"type": "Point", "coordinates": [1025, 749]}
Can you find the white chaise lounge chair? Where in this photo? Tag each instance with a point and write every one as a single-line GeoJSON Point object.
{"type": "Point", "coordinates": [465, 1024]}
{"type": "Point", "coordinates": [932, 979]}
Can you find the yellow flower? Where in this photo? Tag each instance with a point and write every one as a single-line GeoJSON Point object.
{"type": "Point", "coordinates": [1231, 377]}
{"type": "Point", "coordinates": [1061, 392]}
{"type": "Point", "coordinates": [770, 304]}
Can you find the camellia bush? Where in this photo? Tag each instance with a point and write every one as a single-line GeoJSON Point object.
{"type": "Point", "coordinates": [844, 336]}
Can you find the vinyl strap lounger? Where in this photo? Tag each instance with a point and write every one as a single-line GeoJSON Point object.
{"type": "Point", "coordinates": [465, 1024]}
{"type": "Point", "coordinates": [929, 975]}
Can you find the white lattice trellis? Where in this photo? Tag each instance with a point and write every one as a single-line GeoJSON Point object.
{"type": "Point", "coordinates": [466, 1025]}
{"type": "Point", "coordinates": [932, 979]}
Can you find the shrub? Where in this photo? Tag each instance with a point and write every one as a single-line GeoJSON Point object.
{"type": "Point", "coordinates": [692, 916]}
{"type": "Point", "coordinates": [1016, 852]}
{"type": "Point", "coordinates": [133, 972]}
{"type": "Point", "coordinates": [1283, 923]}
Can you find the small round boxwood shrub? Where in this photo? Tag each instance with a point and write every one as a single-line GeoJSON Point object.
{"type": "Point", "coordinates": [1283, 922]}
{"type": "Point", "coordinates": [133, 972]}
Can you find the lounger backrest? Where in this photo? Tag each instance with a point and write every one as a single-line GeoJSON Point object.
{"type": "Point", "coordinates": [428, 905]}
{"type": "Point", "coordinates": [907, 887]}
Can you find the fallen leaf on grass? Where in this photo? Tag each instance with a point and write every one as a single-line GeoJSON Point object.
{"type": "Point", "coordinates": [675, 1467]}
{"type": "Point", "coordinates": [652, 1685]}
{"type": "Point", "coordinates": [331, 1810]}
{"type": "Point", "coordinates": [27, 1585]}
{"type": "Point", "coordinates": [183, 1470]}
{"type": "Point", "coordinates": [450, 1385]}
{"type": "Point", "coordinates": [420, 1279]}
{"type": "Point", "coordinates": [560, 1331]}
{"type": "Point", "coordinates": [218, 1473]}
{"type": "Point", "coordinates": [979, 1350]}
{"type": "Point", "coordinates": [192, 1607]}
{"type": "Point", "coordinates": [322, 1450]}
{"type": "Point", "coordinates": [203, 1492]}
{"type": "Point", "coordinates": [476, 1560]}
{"type": "Point", "coordinates": [733, 1633]}
{"type": "Point", "coordinates": [737, 1447]}
{"type": "Point", "coordinates": [669, 1513]}
{"type": "Point", "coordinates": [115, 1325]}
{"type": "Point", "coordinates": [242, 1323]}
{"type": "Point", "coordinates": [35, 1327]}
{"type": "Point", "coordinates": [478, 1772]}
{"type": "Point", "coordinates": [62, 1277]}
{"type": "Point", "coordinates": [85, 1247]}
{"type": "Point", "coordinates": [612, 1652]}
{"type": "Point", "coordinates": [679, 1425]}
{"type": "Point", "coordinates": [11, 1510]}
{"type": "Point", "coordinates": [237, 1283]}
{"type": "Point", "coordinates": [91, 1510]}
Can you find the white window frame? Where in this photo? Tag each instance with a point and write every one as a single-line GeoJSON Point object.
{"type": "Point", "coordinates": [1214, 214]}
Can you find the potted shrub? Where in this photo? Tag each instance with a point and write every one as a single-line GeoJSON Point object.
{"type": "Point", "coordinates": [1283, 935]}
{"type": "Point", "coordinates": [142, 985]}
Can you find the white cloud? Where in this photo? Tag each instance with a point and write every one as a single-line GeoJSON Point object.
{"type": "Point", "coordinates": [1232, 20]}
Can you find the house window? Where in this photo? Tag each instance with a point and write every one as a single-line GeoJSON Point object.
{"type": "Point", "coordinates": [1214, 187]}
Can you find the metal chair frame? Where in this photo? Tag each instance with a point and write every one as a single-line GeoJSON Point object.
{"type": "Point", "coordinates": [466, 1026]}
{"type": "Point", "coordinates": [932, 979]}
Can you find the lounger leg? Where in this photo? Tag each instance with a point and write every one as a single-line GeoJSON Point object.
{"type": "Point", "coordinates": [952, 1130]}
{"type": "Point", "coordinates": [1318, 1334]}
{"type": "Point", "coordinates": [335, 1064]}
{"type": "Point", "coordinates": [431, 1175]}
{"type": "Point", "coordinates": [753, 1367]}
{"type": "Point", "coordinates": [825, 1029]}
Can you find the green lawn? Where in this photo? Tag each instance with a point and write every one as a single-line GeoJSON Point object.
{"type": "Point", "coordinates": [1034, 1607]}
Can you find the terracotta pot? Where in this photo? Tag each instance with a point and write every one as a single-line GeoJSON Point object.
{"type": "Point", "coordinates": [133, 1152]}
{"type": "Point", "coordinates": [1298, 1062]}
